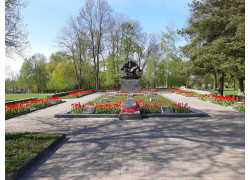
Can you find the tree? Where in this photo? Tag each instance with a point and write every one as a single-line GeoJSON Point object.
{"type": "Point", "coordinates": [74, 46]}
{"type": "Point", "coordinates": [215, 32]}
{"type": "Point", "coordinates": [168, 46]}
{"type": "Point", "coordinates": [11, 79]}
{"type": "Point", "coordinates": [95, 19]}
{"type": "Point", "coordinates": [33, 72]}
{"type": "Point", "coordinates": [62, 77]}
{"type": "Point", "coordinates": [15, 34]}
{"type": "Point", "coordinates": [26, 75]}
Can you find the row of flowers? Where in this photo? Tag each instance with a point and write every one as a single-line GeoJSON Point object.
{"type": "Point", "coordinates": [15, 109]}
{"type": "Point", "coordinates": [81, 93]}
{"type": "Point", "coordinates": [77, 108]}
{"type": "Point", "coordinates": [182, 92]}
{"type": "Point", "coordinates": [240, 106]}
{"type": "Point", "coordinates": [135, 93]}
{"type": "Point", "coordinates": [222, 100]}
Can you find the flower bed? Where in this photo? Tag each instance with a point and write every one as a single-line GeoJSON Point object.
{"type": "Point", "coordinates": [23, 107]}
{"type": "Point", "coordinates": [78, 94]}
{"type": "Point", "coordinates": [222, 100]}
{"type": "Point", "coordinates": [109, 108]}
{"type": "Point", "coordinates": [114, 108]}
{"type": "Point", "coordinates": [119, 93]}
{"type": "Point", "coordinates": [241, 106]}
{"type": "Point", "coordinates": [183, 92]}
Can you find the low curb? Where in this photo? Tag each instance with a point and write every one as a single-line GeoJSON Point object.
{"type": "Point", "coordinates": [32, 111]}
{"type": "Point", "coordinates": [19, 172]}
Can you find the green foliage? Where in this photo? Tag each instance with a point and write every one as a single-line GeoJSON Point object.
{"type": "Point", "coordinates": [33, 73]}
{"type": "Point", "coordinates": [21, 147]}
{"type": "Point", "coordinates": [216, 34]}
{"type": "Point", "coordinates": [26, 76]}
{"type": "Point", "coordinates": [62, 76]}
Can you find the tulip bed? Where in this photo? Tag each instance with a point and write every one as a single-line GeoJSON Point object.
{"type": "Point", "coordinates": [78, 94]}
{"type": "Point", "coordinates": [146, 106]}
{"type": "Point", "coordinates": [241, 106]}
{"type": "Point", "coordinates": [12, 110]}
{"type": "Point", "coordinates": [222, 100]}
{"type": "Point", "coordinates": [183, 92]}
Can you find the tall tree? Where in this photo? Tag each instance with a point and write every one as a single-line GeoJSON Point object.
{"type": "Point", "coordinates": [15, 33]}
{"type": "Point", "coordinates": [212, 33]}
{"type": "Point", "coordinates": [95, 18]}
{"type": "Point", "coordinates": [33, 72]}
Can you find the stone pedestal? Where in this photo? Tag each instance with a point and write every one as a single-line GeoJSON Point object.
{"type": "Point", "coordinates": [130, 85]}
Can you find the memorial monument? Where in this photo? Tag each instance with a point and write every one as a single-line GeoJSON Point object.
{"type": "Point", "coordinates": [130, 81]}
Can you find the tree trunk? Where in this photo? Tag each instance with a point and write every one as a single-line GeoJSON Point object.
{"type": "Point", "coordinates": [241, 86]}
{"type": "Point", "coordinates": [234, 88]}
{"type": "Point", "coordinates": [215, 81]}
{"type": "Point", "coordinates": [221, 82]}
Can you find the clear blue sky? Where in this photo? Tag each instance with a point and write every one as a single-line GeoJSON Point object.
{"type": "Point", "coordinates": [45, 18]}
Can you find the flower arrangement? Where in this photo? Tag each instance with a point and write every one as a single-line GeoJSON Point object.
{"type": "Point", "coordinates": [23, 107]}
{"type": "Point", "coordinates": [222, 100]}
{"type": "Point", "coordinates": [76, 108]}
{"type": "Point", "coordinates": [120, 93]}
{"type": "Point", "coordinates": [115, 108]}
{"type": "Point", "coordinates": [241, 106]}
{"type": "Point", "coordinates": [81, 93]}
{"type": "Point", "coordinates": [180, 107]}
{"type": "Point", "coordinates": [15, 109]}
{"type": "Point", "coordinates": [182, 92]}
{"type": "Point", "coordinates": [107, 108]}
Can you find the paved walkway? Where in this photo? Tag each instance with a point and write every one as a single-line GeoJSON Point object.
{"type": "Point", "coordinates": [154, 148]}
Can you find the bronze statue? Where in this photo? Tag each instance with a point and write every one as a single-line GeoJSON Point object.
{"type": "Point", "coordinates": [130, 68]}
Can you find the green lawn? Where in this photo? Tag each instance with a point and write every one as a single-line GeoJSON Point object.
{"type": "Point", "coordinates": [228, 91]}
{"type": "Point", "coordinates": [145, 99]}
{"type": "Point", "coordinates": [12, 97]}
{"type": "Point", "coordinates": [21, 147]}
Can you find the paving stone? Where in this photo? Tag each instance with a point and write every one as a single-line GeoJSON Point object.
{"type": "Point", "coordinates": [173, 148]}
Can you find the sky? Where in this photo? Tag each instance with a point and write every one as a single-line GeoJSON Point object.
{"type": "Point", "coordinates": [45, 18]}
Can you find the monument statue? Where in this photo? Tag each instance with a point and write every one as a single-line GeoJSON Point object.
{"type": "Point", "coordinates": [130, 68]}
{"type": "Point", "coordinates": [130, 81]}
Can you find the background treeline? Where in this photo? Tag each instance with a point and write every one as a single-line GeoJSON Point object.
{"type": "Point", "coordinates": [97, 42]}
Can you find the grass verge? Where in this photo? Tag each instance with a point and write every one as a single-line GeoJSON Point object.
{"type": "Point", "coordinates": [20, 147]}
{"type": "Point", "coordinates": [12, 97]}
{"type": "Point", "coordinates": [228, 91]}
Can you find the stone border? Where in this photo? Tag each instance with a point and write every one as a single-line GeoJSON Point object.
{"type": "Point", "coordinates": [194, 113]}
{"type": "Point", "coordinates": [19, 172]}
{"type": "Point", "coordinates": [32, 111]}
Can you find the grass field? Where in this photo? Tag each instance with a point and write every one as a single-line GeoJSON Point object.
{"type": "Point", "coordinates": [21, 147]}
{"type": "Point", "coordinates": [228, 91]}
{"type": "Point", "coordinates": [12, 97]}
